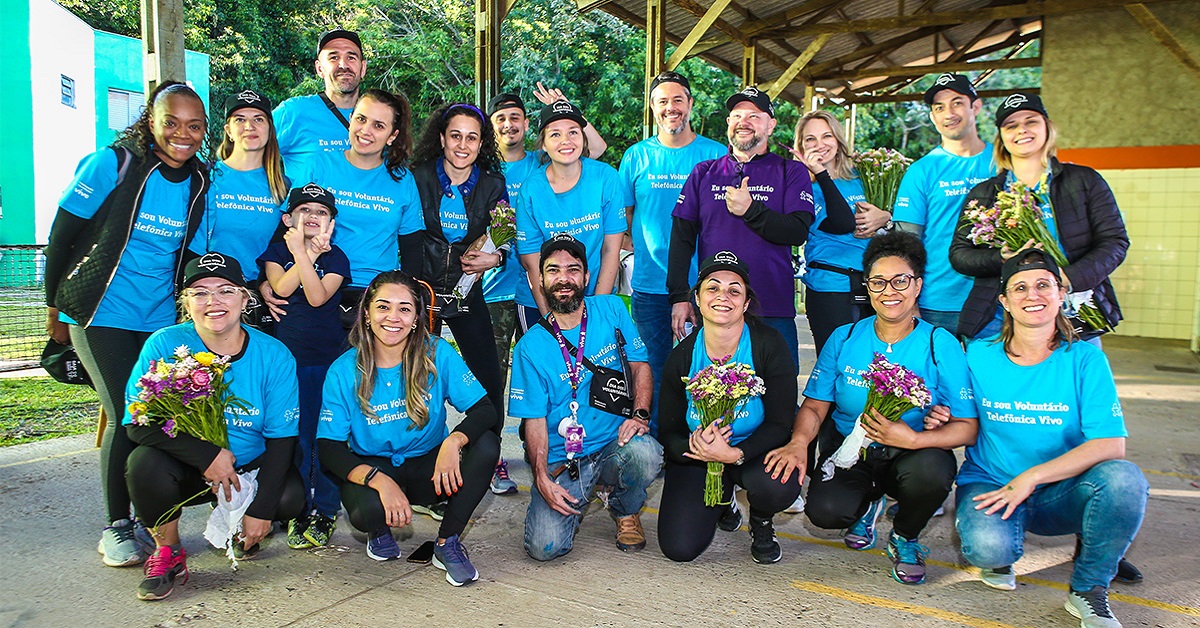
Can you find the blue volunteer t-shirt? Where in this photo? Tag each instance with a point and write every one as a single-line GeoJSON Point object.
{"type": "Point", "coordinates": [373, 210]}
{"type": "Point", "coordinates": [653, 175]}
{"type": "Point", "coordinates": [141, 294]}
{"type": "Point", "coordinates": [391, 433]}
{"type": "Point", "coordinates": [841, 250]}
{"type": "Point", "coordinates": [306, 127]}
{"type": "Point", "coordinates": [240, 217]}
{"type": "Point", "coordinates": [453, 216]}
{"type": "Point", "coordinates": [931, 195]}
{"type": "Point", "coordinates": [314, 335]}
{"type": "Point", "coordinates": [750, 412]}
{"type": "Point", "coordinates": [1032, 414]}
{"type": "Point", "coordinates": [540, 387]}
{"type": "Point", "coordinates": [838, 375]}
{"type": "Point", "coordinates": [264, 377]}
{"type": "Point", "coordinates": [501, 285]}
{"type": "Point", "coordinates": [592, 209]}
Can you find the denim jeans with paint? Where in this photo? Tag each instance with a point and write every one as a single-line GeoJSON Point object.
{"type": "Point", "coordinates": [1104, 505]}
{"type": "Point", "coordinates": [625, 471]}
{"type": "Point", "coordinates": [786, 326]}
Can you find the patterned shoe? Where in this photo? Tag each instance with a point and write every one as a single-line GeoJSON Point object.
{"type": "Point", "coordinates": [501, 484]}
{"type": "Point", "coordinates": [861, 535]}
{"type": "Point", "coordinates": [908, 559]}
{"type": "Point", "coordinates": [295, 533]}
{"type": "Point", "coordinates": [437, 511]}
{"type": "Point", "coordinates": [320, 530]}
{"type": "Point", "coordinates": [162, 569]}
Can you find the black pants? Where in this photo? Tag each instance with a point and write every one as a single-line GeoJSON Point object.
{"type": "Point", "coordinates": [686, 526]}
{"type": "Point", "coordinates": [919, 479]}
{"type": "Point", "coordinates": [415, 477]}
{"type": "Point", "coordinates": [158, 481]}
{"type": "Point", "coordinates": [829, 310]}
{"type": "Point", "coordinates": [108, 355]}
{"type": "Point", "coordinates": [477, 344]}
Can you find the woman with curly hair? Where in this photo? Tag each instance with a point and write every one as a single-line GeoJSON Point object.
{"type": "Point", "coordinates": [383, 428]}
{"type": "Point", "coordinates": [457, 170]}
{"type": "Point", "coordinates": [115, 252]}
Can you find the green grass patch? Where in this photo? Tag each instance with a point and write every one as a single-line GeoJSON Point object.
{"type": "Point", "coordinates": [37, 408]}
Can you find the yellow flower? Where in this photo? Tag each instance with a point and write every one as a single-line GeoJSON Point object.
{"type": "Point", "coordinates": [205, 358]}
{"type": "Point", "coordinates": [162, 368]}
{"type": "Point", "coordinates": [137, 408]}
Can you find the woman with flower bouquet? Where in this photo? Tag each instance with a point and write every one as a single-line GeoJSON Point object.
{"type": "Point", "coordinates": [456, 165]}
{"type": "Point", "coordinates": [916, 362]}
{"type": "Point", "coordinates": [1080, 224]}
{"type": "Point", "coordinates": [705, 460]}
{"type": "Point", "coordinates": [188, 440]}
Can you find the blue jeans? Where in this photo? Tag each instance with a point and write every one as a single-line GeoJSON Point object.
{"type": "Point", "coordinates": [946, 320]}
{"type": "Point", "coordinates": [1104, 505]}
{"type": "Point", "coordinates": [652, 315]}
{"type": "Point", "coordinates": [627, 471]}
{"type": "Point", "coordinates": [786, 326]}
{"type": "Point", "coordinates": [320, 489]}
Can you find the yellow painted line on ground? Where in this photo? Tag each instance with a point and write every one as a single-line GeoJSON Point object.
{"type": "Point", "coordinates": [44, 458]}
{"type": "Point", "coordinates": [1117, 597]}
{"type": "Point", "coordinates": [912, 609]}
{"type": "Point", "coordinates": [1172, 474]}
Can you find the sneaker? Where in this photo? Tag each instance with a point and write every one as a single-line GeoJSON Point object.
{"type": "Point", "coordinates": [501, 484]}
{"type": "Point", "coordinates": [1127, 573]}
{"type": "Point", "coordinates": [797, 506]}
{"type": "Point", "coordinates": [1000, 578]}
{"type": "Point", "coordinates": [320, 529]}
{"type": "Point", "coordinates": [381, 546]}
{"type": "Point", "coordinates": [118, 544]}
{"type": "Point", "coordinates": [630, 536]}
{"type": "Point", "coordinates": [908, 559]}
{"type": "Point", "coordinates": [295, 533]}
{"type": "Point", "coordinates": [241, 552]}
{"type": "Point", "coordinates": [451, 557]}
{"type": "Point", "coordinates": [1091, 608]}
{"type": "Point", "coordinates": [764, 547]}
{"type": "Point", "coordinates": [861, 535]}
{"type": "Point", "coordinates": [731, 519]}
{"type": "Point", "coordinates": [436, 511]}
{"type": "Point", "coordinates": [162, 569]}
{"type": "Point", "coordinates": [144, 538]}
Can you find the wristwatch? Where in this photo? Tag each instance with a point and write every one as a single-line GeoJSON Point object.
{"type": "Point", "coordinates": [741, 458]}
{"type": "Point", "coordinates": [642, 414]}
{"type": "Point", "coordinates": [503, 258]}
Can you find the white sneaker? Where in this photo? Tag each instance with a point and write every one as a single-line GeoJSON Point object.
{"type": "Point", "coordinates": [1001, 579]}
{"type": "Point", "coordinates": [797, 506]}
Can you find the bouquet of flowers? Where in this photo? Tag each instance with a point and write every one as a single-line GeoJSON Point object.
{"type": "Point", "coordinates": [716, 391]}
{"type": "Point", "coordinates": [893, 391]}
{"type": "Point", "coordinates": [186, 392]}
{"type": "Point", "coordinates": [881, 170]}
{"type": "Point", "coordinates": [501, 230]}
{"type": "Point", "coordinates": [1016, 218]}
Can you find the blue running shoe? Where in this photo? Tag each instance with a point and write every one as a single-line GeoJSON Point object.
{"type": "Point", "coordinates": [908, 559]}
{"type": "Point", "coordinates": [451, 557]}
{"type": "Point", "coordinates": [381, 546]}
{"type": "Point", "coordinates": [861, 535]}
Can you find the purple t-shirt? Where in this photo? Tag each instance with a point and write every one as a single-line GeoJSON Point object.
{"type": "Point", "coordinates": [783, 186]}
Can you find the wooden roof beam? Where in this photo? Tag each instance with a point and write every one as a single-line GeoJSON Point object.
{"type": "Point", "coordinates": [1159, 31]}
{"type": "Point", "coordinates": [936, 68]}
{"type": "Point", "coordinates": [634, 19]}
{"type": "Point", "coordinates": [888, 45]}
{"type": "Point", "coordinates": [983, 93]}
{"type": "Point", "coordinates": [706, 21]}
{"type": "Point", "coordinates": [789, 75]}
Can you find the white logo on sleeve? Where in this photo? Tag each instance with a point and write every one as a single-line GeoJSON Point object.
{"type": "Point", "coordinates": [1116, 410]}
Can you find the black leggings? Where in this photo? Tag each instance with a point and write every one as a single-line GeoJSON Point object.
{"type": "Point", "coordinates": [108, 355]}
{"type": "Point", "coordinates": [919, 479]}
{"type": "Point", "coordinates": [829, 310]}
{"type": "Point", "coordinates": [158, 481]}
{"type": "Point", "coordinates": [686, 526]}
{"type": "Point", "coordinates": [477, 344]}
{"type": "Point", "coordinates": [415, 477]}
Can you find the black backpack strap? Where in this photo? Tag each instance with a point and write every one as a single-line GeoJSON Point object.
{"type": "Point", "coordinates": [337, 112]}
{"type": "Point", "coordinates": [124, 158]}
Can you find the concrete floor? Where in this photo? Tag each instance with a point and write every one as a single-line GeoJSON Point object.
{"type": "Point", "coordinates": [50, 574]}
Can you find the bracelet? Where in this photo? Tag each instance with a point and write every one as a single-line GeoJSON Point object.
{"type": "Point", "coordinates": [370, 474]}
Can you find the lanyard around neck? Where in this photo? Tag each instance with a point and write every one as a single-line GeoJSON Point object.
{"type": "Point", "coordinates": [574, 366]}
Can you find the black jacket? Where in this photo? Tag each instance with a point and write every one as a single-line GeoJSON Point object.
{"type": "Point", "coordinates": [440, 264]}
{"type": "Point", "coordinates": [771, 362]}
{"type": "Point", "coordinates": [1089, 226]}
{"type": "Point", "coordinates": [82, 255]}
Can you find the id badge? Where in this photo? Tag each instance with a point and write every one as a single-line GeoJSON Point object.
{"type": "Point", "coordinates": [574, 438]}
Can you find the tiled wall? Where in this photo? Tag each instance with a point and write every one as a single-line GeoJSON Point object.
{"type": "Point", "coordinates": [1158, 285]}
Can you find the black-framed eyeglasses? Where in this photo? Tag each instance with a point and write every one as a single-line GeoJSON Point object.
{"type": "Point", "coordinates": [899, 282]}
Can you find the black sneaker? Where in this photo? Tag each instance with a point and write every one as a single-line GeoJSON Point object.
{"type": "Point", "coordinates": [1126, 571]}
{"type": "Point", "coordinates": [731, 519]}
{"type": "Point", "coordinates": [764, 547]}
{"type": "Point", "coordinates": [437, 511]}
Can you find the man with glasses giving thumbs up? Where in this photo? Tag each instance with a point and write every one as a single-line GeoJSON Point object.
{"type": "Point", "coordinates": [751, 202]}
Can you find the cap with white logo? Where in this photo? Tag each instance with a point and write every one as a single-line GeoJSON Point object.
{"type": "Point", "coordinates": [247, 98]}
{"type": "Point", "coordinates": [723, 260]}
{"type": "Point", "coordinates": [754, 96]}
{"type": "Point", "coordinates": [213, 265]}
{"type": "Point", "coordinates": [311, 193]}
{"type": "Point", "coordinates": [1019, 102]}
{"type": "Point", "coordinates": [953, 82]}
{"type": "Point", "coordinates": [560, 110]}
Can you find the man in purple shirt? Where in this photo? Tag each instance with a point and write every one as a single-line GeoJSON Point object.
{"type": "Point", "coordinates": [751, 202]}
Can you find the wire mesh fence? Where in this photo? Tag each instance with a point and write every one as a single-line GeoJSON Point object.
{"type": "Point", "coordinates": [22, 306]}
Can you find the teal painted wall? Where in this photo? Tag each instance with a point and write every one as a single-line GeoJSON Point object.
{"type": "Point", "coordinates": [16, 103]}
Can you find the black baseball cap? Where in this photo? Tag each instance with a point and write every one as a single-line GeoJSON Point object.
{"type": "Point", "coordinates": [311, 193]}
{"type": "Point", "coordinates": [504, 101]}
{"type": "Point", "coordinates": [560, 110]}
{"type": "Point", "coordinates": [671, 77]}
{"type": "Point", "coordinates": [338, 33]}
{"type": "Point", "coordinates": [753, 96]}
{"type": "Point", "coordinates": [953, 82]}
{"type": "Point", "coordinates": [563, 242]}
{"type": "Point", "coordinates": [723, 260]}
{"type": "Point", "coordinates": [1029, 259]}
{"type": "Point", "coordinates": [247, 99]}
{"type": "Point", "coordinates": [213, 265]}
{"type": "Point", "coordinates": [1019, 102]}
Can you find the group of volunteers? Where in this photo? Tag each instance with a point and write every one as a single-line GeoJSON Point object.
{"type": "Point", "coordinates": [327, 244]}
